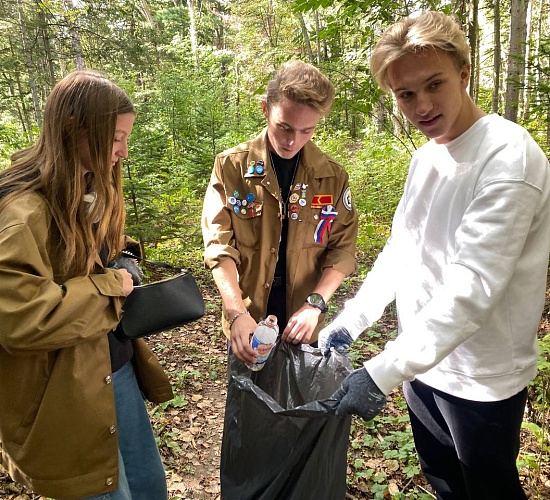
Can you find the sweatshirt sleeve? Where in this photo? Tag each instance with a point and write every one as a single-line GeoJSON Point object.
{"type": "Point", "coordinates": [490, 241]}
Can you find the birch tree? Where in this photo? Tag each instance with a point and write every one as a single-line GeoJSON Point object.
{"type": "Point", "coordinates": [516, 57]}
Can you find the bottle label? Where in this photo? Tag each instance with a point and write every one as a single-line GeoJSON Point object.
{"type": "Point", "coordinates": [262, 349]}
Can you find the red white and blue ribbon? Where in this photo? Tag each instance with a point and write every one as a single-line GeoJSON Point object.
{"type": "Point", "coordinates": [328, 214]}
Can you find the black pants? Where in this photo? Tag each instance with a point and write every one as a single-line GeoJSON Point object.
{"type": "Point", "coordinates": [467, 449]}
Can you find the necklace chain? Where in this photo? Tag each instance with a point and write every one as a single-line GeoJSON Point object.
{"type": "Point", "coordinates": [285, 198]}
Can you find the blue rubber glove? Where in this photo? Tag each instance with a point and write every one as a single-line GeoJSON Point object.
{"type": "Point", "coordinates": [130, 265]}
{"type": "Point", "coordinates": [359, 395]}
{"type": "Point", "coordinates": [339, 339]}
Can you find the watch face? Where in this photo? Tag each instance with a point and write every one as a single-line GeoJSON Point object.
{"type": "Point", "coordinates": [316, 300]}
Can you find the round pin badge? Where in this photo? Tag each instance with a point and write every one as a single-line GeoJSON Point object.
{"type": "Point", "coordinates": [259, 169]}
{"type": "Point", "coordinates": [302, 202]}
{"type": "Point", "coordinates": [293, 216]}
{"type": "Point", "coordinates": [232, 200]}
{"type": "Point", "coordinates": [250, 169]}
{"type": "Point", "coordinates": [250, 197]}
{"type": "Point", "coordinates": [236, 209]}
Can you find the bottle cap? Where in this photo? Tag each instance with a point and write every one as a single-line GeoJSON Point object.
{"type": "Point", "coordinates": [271, 320]}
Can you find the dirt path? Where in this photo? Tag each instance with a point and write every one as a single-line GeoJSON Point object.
{"type": "Point", "coordinates": [190, 428]}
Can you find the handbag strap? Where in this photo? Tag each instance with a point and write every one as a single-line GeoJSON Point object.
{"type": "Point", "coordinates": [157, 263]}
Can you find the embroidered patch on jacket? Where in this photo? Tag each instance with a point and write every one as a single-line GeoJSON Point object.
{"type": "Point", "coordinates": [320, 200]}
{"type": "Point", "coordinates": [346, 198]}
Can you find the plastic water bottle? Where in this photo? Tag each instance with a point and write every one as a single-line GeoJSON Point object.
{"type": "Point", "coordinates": [263, 341]}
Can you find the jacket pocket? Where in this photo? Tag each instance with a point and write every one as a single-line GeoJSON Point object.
{"type": "Point", "coordinates": [33, 394]}
{"type": "Point", "coordinates": [247, 224]}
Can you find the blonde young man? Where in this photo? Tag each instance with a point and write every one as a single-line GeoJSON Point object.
{"type": "Point", "coordinates": [278, 222]}
{"type": "Point", "coordinates": [466, 262]}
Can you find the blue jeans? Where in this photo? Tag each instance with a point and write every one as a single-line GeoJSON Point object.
{"type": "Point", "coordinates": [141, 473]}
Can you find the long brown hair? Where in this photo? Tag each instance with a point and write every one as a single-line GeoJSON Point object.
{"type": "Point", "coordinates": [82, 108]}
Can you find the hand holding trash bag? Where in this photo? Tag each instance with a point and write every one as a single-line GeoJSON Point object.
{"type": "Point", "coordinates": [337, 338]}
{"type": "Point", "coordinates": [359, 395]}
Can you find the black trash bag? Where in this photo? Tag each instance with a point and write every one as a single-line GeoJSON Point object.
{"type": "Point", "coordinates": [281, 438]}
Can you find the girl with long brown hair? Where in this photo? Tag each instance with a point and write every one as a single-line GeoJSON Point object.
{"type": "Point", "coordinates": [73, 423]}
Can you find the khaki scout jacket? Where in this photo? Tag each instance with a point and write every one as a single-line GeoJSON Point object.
{"type": "Point", "coordinates": [57, 415]}
{"type": "Point", "coordinates": [250, 235]}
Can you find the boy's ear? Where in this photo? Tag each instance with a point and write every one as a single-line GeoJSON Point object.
{"type": "Point", "coordinates": [265, 109]}
{"type": "Point", "coordinates": [465, 74]}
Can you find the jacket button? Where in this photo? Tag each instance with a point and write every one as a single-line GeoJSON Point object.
{"type": "Point", "coordinates": [108, 379]}
{"type": "Point", "coordinates": [109, 481]}
{"type": "Point", "coordinates": [266, 285]}
{"type": "Point", "coordinates": [112, 429]}
{"type": "Point", "coordinates": [273, 250]}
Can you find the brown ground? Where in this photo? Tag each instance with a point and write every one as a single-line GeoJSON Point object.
{"type": "Point", "coordinates": [190, 427]}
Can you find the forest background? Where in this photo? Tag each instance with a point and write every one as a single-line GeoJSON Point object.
{"type": "Point", "coordinates": [196, 69]}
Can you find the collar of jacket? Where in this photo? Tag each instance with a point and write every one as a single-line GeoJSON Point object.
{"type": "Point", "coordinates": [313, 161]}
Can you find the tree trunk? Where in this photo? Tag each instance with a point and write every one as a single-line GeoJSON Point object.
{"type": "Point", "coordinates": [193, 32]}
{"type": "Point", "coordinates": [497, 58]}
{"type": "Point", "coordinates": [473, 27]}
{"type": "Point", "coordinates": [74, 36]}
{"type": "Point", "coordinates": [305, 36]}
{"type": "Point", "coordinates": [516, 58]}
{"type": "Point", "coordinates": [29, 63]}
{"type": "Point", "coordinates": [44, 34]}
{"type": "Point", "coordinates": [317, 37]}
{"type": "Point", "coordinates": [380, 114]}
{"type": "Point", "coordinates": [527, 88]}
{"type": "Point", "coordinates": [147, 13]}
{"type": "Point", "coordinates": [538, 37]}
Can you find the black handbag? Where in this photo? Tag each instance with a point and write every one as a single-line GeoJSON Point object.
{"type": "Point", "coordinates": [162, 305]}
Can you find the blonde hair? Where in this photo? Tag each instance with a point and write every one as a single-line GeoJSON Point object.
{"type": "Point", "coordinates": [82, 108]}
{"type": "Point", "coordinates": [429, 30]}
{"type": "Point", "coordinates": [301, 83]}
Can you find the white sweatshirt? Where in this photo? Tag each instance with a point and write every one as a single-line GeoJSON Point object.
{"type": "Point", "coordinates": [467, 263]}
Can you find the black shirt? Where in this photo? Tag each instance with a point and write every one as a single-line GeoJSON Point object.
{"type": "Point", "coordinates": [285, 169]}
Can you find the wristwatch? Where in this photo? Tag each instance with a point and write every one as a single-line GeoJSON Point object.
{"type": "Point", "coordinates": [316, 300]}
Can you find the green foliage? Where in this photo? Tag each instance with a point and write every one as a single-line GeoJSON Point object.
{"type": "Point", "coordinates": [388, 440]}
{"type": "Point", "coordinates": [10, 141]}
{"type": "Point", "coordinates": [377, 177]}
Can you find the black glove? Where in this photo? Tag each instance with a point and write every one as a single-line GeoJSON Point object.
{"type": "Point", "coordinates": [339, 338]}
{"type": "Point", "coordinates": [130, 265]}
{"type": "Point", "coordinates": [359, 395]}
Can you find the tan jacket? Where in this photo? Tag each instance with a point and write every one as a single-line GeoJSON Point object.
{"type": "Point", "coordinates": [57, 415]}
{"type": "Point", "coordinates": [250, 235]}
